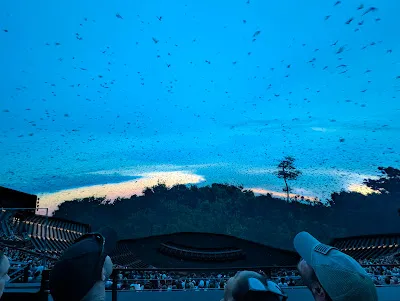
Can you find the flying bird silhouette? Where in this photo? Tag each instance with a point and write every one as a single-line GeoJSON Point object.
{"type": "Point", "coordinates": [337, 3]}
{"type": "Point", "coordinates": [118, 16]}
{"type": "Point", "coordinates": [340, 50]}
{"type": "Point", "coordinates": [371, 9]}
{"type": "Point", "coordinates": [360, 7]}
{"type": "Point", "coordinates": [349, 20]}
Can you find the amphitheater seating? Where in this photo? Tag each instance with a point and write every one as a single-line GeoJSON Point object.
{"type": "Point", "coordinates": [49, 235]}
{"type": "Point", "coordinates": [5, 228]}
{"type": "Point", "coordinates": [369, 247]}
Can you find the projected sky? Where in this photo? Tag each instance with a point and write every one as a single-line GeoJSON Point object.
{"type": "Point", "coordinates": [105, 98]}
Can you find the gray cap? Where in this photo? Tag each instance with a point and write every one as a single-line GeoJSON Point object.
{"type": "Point", "coordinates": [342, 277]}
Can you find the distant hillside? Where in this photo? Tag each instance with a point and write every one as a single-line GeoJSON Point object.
{"type": "Point", "coordinates": [227, 209]}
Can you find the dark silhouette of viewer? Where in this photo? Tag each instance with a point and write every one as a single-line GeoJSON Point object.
{"type": "Point", "coordinates": [330, 274]}
{"type": "Point", "coordinates": [83, 269]}
{"type": "Point", "coordinates": [252, 286]}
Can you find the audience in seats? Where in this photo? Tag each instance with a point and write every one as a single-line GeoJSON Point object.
{"type": "Point", "coordinates": [154, 280]}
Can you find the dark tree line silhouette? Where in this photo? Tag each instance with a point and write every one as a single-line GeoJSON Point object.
{"type": "Point", "coordinates": [228, 209]}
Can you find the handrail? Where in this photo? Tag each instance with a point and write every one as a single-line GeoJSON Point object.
{"type": "Point", "coordinates": [15, 272]}
{"type": "Point", "coordinates": [223, 269]}
{"type": "Point", "coordinates": [207, 269]}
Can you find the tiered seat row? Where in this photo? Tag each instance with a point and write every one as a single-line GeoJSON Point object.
{"type": "Point", "coordinates": [50, 234]}
{"type": "Point", "coordinates": [369, 247]}
{"type": "Point", "coordinates": [5, 229]}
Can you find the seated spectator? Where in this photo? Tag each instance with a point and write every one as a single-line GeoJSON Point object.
{"type": "Point", "coordinates": [136, 286]}
{"type": "Point", "coordinates": [249, 285]}
{"type": "Point", "coordinates": [330, 274]}
{"type": "Point", "coordinates": [87, 265]}
{"type": "Point", "coordinates": [4, 266]}
{"type": "Point", "coordinates": [291, 282]}
{"type": "Point", "coordinates": [282, 282]}
{"type": "Point", "coordinates": [201, 283]}
{"type": "Point", "coordinates": [109, 284]}
{"type": "Point", "coordinates": [125, 285]}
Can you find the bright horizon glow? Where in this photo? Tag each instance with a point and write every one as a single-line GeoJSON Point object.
{"type": "Point", "coordinates": [360, 188]}
{"type": "Point", "coordinates": [123, 190]}
{"type": "Point", "coordinates": [279, 194]}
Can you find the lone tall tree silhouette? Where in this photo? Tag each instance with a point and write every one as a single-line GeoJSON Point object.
{"type": "Point", "coordinates": [287, 172]}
